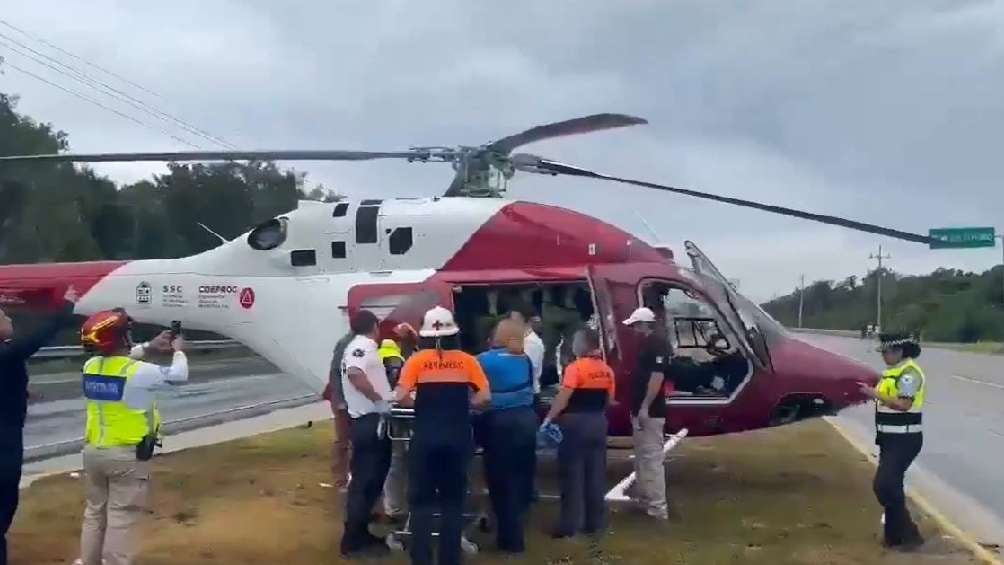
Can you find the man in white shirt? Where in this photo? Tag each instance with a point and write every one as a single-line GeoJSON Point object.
{"type": "Point", "coordinates": [533, 346]}
{"type": "Point", "coordinates": [367, 394]}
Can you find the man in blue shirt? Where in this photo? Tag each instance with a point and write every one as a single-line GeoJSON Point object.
{"type": "Point", "coordinates": [509, 433]}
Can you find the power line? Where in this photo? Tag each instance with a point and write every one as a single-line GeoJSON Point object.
{"type": "Point", "coordinates": [100, 105]}
{"type": "Point", "coordinates": [109, 90]}
{"type": "Point", "coordinates": [79, 58]}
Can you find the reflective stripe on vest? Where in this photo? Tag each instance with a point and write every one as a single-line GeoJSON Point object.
{"type": "Point", "coordinates": [887, 418]}
{"type": "Point", "coordinates": [110, 421]}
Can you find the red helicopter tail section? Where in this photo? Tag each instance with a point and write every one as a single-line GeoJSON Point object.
{"type": "Point", "coordinates": [41, 286]}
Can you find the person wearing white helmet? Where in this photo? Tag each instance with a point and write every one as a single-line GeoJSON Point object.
{"type": "Point", "coordinates": [648, 413]}
{"type": "Point", "coordinates": [442, 377]}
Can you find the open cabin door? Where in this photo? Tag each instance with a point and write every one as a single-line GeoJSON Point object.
{"type": "Point", "coordinates": [395, 303]}
{"type": "Point", "coordinates": [740, 306]}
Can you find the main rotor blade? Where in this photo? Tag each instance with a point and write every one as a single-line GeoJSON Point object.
{"type": "Point", "coordinates": [586, 124]}
{"type": "Point", "coordinates": [309, 155]}
{"type": "Point", "coordinates": [535, 164]}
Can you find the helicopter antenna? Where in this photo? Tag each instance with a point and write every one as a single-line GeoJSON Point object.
{"type": "Point", "coordinates": [211, 232]}
{"type": "Point", "coordinates": [648, 226]}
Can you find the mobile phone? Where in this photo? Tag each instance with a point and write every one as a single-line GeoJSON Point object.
{"type": "Point", "coordinates": [175, 328]}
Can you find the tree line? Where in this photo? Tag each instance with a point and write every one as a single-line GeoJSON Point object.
{"type": "Point", "coordinates": [66, 212]}
{"type": "Point", "coordinates": [946, 305]}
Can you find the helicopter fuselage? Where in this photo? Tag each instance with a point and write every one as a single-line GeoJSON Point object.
{"type": "Point", "coordinates": [287, 288]}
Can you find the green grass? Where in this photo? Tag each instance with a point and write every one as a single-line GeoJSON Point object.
{"type": "Point", "coordinates": [797, 494]}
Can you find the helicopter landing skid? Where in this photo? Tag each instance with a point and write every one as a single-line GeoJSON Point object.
{"type": "Point", "coordinates": [619, 492]}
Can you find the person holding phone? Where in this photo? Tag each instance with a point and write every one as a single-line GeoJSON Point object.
{"type": "Point", "coordinates": [120, 435]}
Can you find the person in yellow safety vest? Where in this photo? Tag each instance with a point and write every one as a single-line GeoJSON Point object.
{"type": "Point", "coordinates": [395, 485]}
{"type": "Point", "coordinates": [899, 402]}
{"type": "Point", "coordinates": [121, 431]}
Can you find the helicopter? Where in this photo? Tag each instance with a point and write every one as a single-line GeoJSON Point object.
{"type": "Point", "coordinates": [287, 288]}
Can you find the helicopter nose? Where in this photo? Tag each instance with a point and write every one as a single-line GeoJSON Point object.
{"type": "Point", "coordinates": [836, 377]}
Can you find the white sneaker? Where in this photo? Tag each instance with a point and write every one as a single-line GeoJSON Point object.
{"type": "Point", "coordinates": [468, 546]}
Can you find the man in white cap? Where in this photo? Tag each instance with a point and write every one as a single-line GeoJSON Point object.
{"type": "Point", "coordinates": [648, 413]}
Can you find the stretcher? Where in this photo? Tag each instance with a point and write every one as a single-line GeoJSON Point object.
{"type": "Point", "coordinates": [400, 426]}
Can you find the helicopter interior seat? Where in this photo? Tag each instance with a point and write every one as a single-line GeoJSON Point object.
{"type": "Point", "coordinates": [720, 372]}
{"type": "Point", "coordinates": [480, 307]}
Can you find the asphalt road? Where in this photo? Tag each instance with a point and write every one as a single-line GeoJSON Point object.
{"type": "Point", "coordinates": [222, 389]}
{"type": "Point", "coordinates": [961, 467]}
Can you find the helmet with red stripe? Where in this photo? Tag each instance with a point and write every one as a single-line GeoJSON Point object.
{"type": "Point", "coordinates": [106, 332]}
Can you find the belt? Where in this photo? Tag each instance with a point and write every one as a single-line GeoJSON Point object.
{"type": "Point", "coordinates": [908, 429]}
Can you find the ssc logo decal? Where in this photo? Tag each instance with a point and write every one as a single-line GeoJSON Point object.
{"type": "Point", "coordinates": [358, 353]}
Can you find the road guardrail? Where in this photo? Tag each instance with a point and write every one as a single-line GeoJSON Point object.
{"type": "Point", "coordinates": [78, 351]}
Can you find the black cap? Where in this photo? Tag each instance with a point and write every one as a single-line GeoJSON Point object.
{"type": "Point", "coordinates": [907, 342]}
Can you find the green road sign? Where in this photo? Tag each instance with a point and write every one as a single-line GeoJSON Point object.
{"type": "Point", "coordinates": [961, 238]}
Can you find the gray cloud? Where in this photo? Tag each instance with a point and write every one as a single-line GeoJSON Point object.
{"type": "Point", "coordinates": [885, 112]}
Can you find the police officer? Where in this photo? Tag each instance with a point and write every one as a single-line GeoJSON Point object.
{"type": "Point", "coordinates": [587, 387]}
{"type": "Point", "coordinates": [367, 393]}
{"type": "Point", "coordinates": [508, 433]}
{"type": "Point", "coordinates": [122, 428]}
{"type": "Point", "coordinates": [441, 376]}
{"type": "Point", "coordinates": [899, 401]}
{"type": "Point", "coordinates": [14, 405]}
{"type": "Point", "coordinates": [397, 479]}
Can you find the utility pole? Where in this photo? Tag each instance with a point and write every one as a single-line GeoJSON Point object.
{"type": "Point", "coordinates": [801, 300]}
{"type": "Point", "coordinates": [878, 287]}
{"type": "Point", "coordinates": [1001, 237]}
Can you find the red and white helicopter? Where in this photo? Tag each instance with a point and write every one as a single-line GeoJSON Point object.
{"type": "Point", "coordinates": [287, 287]}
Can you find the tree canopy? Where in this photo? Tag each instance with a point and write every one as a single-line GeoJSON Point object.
{"type": "Point", "coordinates": [63, 212]}
{"type": "Point", "coordinates": [946, 305]}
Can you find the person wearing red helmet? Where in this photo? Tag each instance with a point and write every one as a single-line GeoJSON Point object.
{"type": "Point", "coordinates": [122, 429]}
{"type": "Point", "coordinates": [14, 351]}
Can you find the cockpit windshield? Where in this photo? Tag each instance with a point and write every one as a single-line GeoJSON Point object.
{"type": "Point", "coordinates": [757, 324]}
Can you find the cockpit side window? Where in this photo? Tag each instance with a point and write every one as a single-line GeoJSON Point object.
{"type": "Point", "coordinates": [268, 235]}
{"type": "Point", "coordinates": [707, 360]}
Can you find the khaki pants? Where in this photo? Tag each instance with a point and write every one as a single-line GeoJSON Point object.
{"type": "Point", "coordinates": [395, 488]}
{"type": "Point", "coordinates": [649, 466]}
{"type": "Point", "coordinates": [117, 488]}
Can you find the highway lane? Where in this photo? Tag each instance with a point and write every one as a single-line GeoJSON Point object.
{"type": "Point", "coordinates": [961, 467]}
{"type": "Point", "coordinates": [222, 386]}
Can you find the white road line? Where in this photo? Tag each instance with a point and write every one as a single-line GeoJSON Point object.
{"type": "Point", "coordinates": [977, 382]}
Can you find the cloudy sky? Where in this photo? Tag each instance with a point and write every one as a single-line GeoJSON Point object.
{"type": "Point", "coordinates": [887, 112]}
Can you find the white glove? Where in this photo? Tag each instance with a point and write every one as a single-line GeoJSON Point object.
{"type": "Point", "coordinates": [382, 407]}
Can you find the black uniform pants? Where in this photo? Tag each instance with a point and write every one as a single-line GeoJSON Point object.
{"type": "Point", "coordinates": [897, 452]}
{"type": "Point", "coordinates": [510, 443]}
{"type": "Point", "coordinates": [370, 463]}
{"type": "Point", "coordinates": [11, 458]}
{"type": "Point", "coordinates": [438, 483]}
{"type": "Point", "coordinates": [582, 468]}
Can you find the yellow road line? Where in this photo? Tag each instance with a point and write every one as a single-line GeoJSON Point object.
{"type": "Point", "coordinates": [981, 553]}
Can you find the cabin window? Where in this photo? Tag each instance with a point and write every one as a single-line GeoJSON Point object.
{"type": "Point", "coordinates": [340, 210]}
{"type": "Point", "coordinates": [400, 241]}
{"type": "Point", "coordinates": [268, 235]}
{"type": "Point", "coordinates": [337, 249]}
{"type": "Point", "coordinates": [303, 257]}
{"type": "Point", "coordinates": [366, 222]}
{"type": "Point", "coordinates": [707, 362]}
